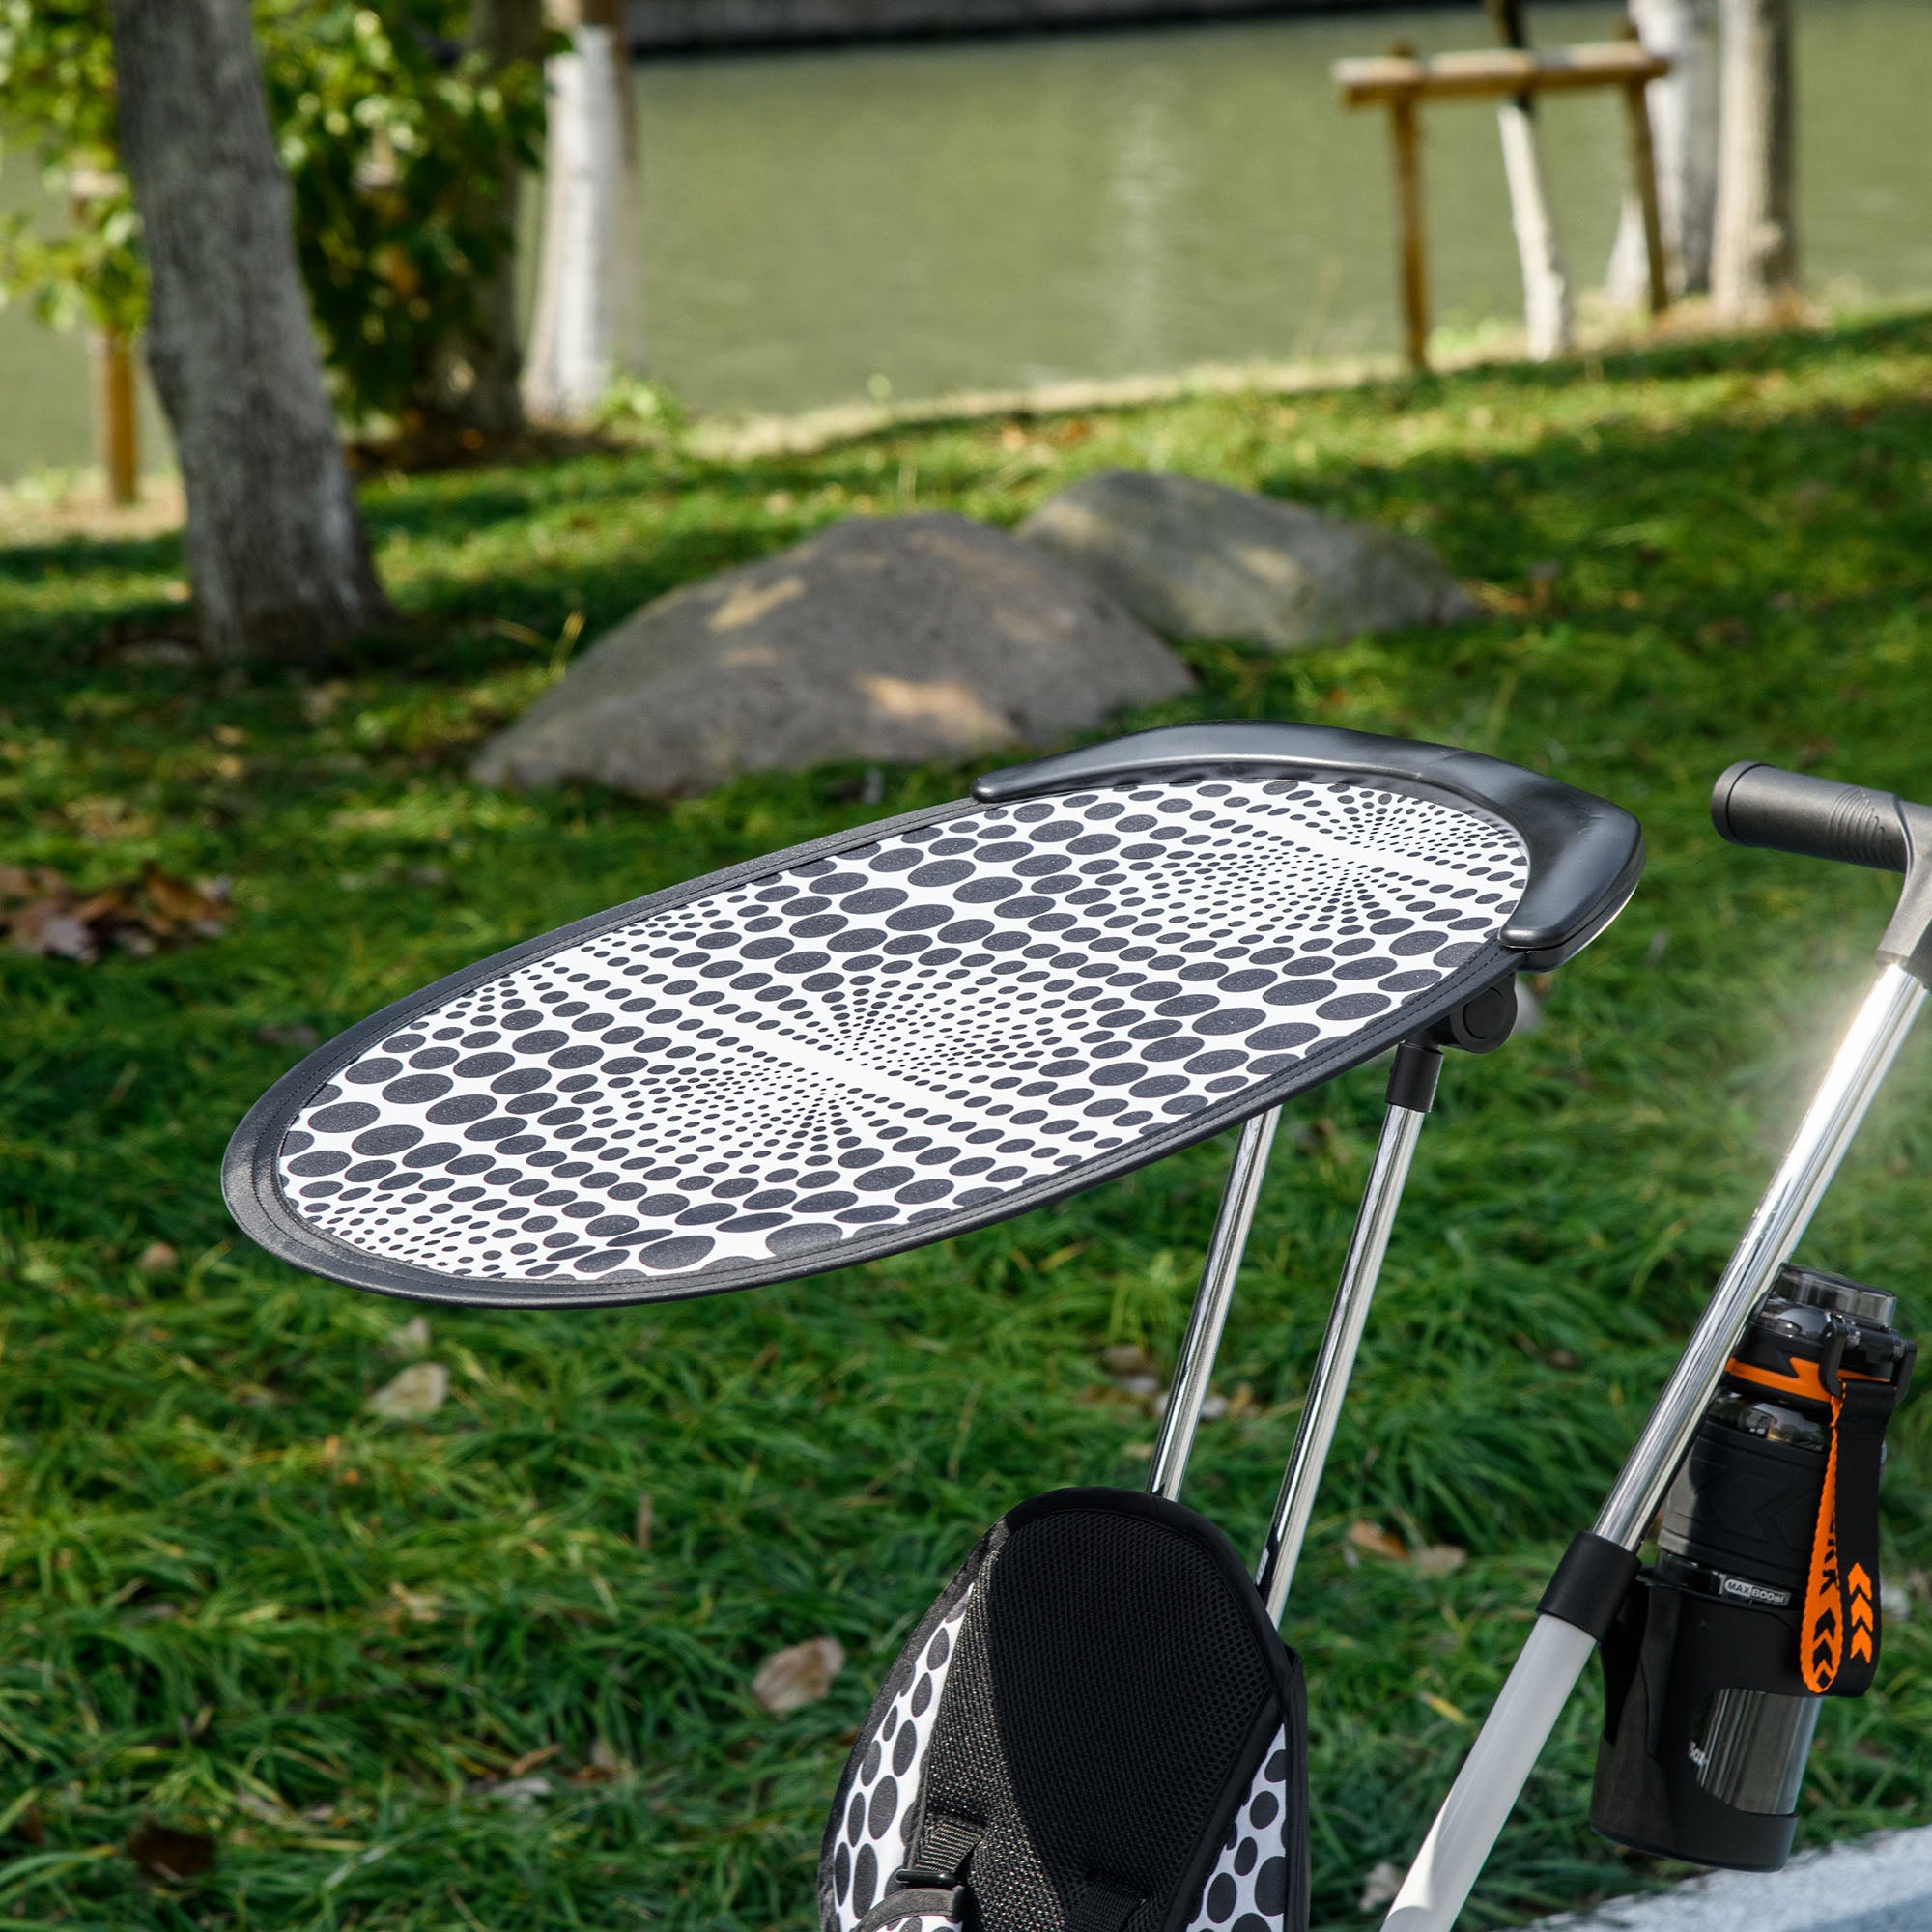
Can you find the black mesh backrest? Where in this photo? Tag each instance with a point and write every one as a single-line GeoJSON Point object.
{"type": "Point", "coordinates": [1117, 1682]}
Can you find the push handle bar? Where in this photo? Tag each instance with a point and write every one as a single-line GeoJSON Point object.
{"type": "Point", "coordinates": [1815, 818]}
{"type": "Point", "coordinates": [1818, 818]}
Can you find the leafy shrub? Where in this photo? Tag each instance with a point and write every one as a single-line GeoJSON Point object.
{"type": "Point", "coordinates": [57, 93]}
{"type": "Point", "coordinates": [399, 146]}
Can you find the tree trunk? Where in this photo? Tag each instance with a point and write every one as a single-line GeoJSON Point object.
{"type": "Point", "coordinates": [1545, 288]}
{"type": "Point", "coordinates": [1754, 264]}
{"type": "Point", "coordinates": [1683, 136]}
{"type": "Point", "coordinates": [275, 548]}
{"type": "Point", "coordinates": [484, 393]}
{"type": "Point", "coordinates": [584, 327]}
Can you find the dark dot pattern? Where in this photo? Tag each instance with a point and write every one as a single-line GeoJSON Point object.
{"type": "Point", "coordinates": [895, 1033]}
{"type": "Point", "coordinates": [1246, 1892]}
{"type": "Point", "coordinates": [882, 1804]}
{"type": "Point", "coordinates": [1248, 1889]}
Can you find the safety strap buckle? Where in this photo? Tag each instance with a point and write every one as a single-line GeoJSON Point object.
{"type": "Point", "coordinates": [941, 1854]}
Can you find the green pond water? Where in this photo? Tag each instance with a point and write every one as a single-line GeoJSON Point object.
{"type": "Point", "coordinates": [819, 225]}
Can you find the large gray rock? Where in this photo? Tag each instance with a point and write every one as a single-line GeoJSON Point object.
{"type": "Point", "coordinates": [899, 639]}
{"type": "Point", "coordinates": [1198, 559]}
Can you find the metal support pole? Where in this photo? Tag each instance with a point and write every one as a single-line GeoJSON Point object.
{"type": "Point", "coordinates": [1851, 1083]}
{"type": "Point", "coordinates": [1329, 1383]}
{"type": "Point", "coordinates": [1210, 1312]}
{"type": "Point", "coordinates": [1500, 1762]}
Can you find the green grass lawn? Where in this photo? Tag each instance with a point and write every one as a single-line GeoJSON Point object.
{"type": "Point", "coordinates": [237, 1604]}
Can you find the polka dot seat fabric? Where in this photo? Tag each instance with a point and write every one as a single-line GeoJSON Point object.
{"type": "Point", "coordinates": [1095, 1725]}
{"type": "Point", "coordinates": [882, 1039]}
{"type": "Point", "coordinates": [1249, 1887]}
{"type": "Point", "coordinates": [871, 1835]}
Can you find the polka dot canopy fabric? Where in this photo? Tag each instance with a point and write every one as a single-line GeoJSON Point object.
{"type": "Point", "coordinates": [893, 1036]}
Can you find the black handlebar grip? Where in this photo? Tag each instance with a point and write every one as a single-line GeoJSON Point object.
{"type": "Point", "coordinates": [1814, 819]}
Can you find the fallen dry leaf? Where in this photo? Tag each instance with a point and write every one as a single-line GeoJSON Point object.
{"type": "Point", "coordinates": [45, 930]}
{"type": "Point", "coordinates": [156, 1258]}
{"type": "Point", "coordinates": [26, 881]}
{"type": "Point", "coordinates": [1243, 1402]}
{"type": "Point", "coordinates": [1440, 1559]}
{"type": "Point", "coordinates": [641, 1529]}
{"type": "Point", "coordinates": [520, 1793]}
{"type": "Point", "coordinates": [412, 1394]}
{"type": "Point", "coordinates": [415, 1606]}
{"type": "Point", "coordinates": [789, 1679]}
{"type": "Point", "coordinates": [411, 1337]}
{"type": "Point", "coordinates": [42, 915]}
{"type": "Point", "coordinates": [102, 820]}
{"type": "Point", "coordinates": [1372, 1539]}
{"type": "Point", "coordinates": [1380, 1887]}
{"type": "Point", "coordinates": [605, 1765]}
{"type": "Point", "coordinates": [522, 1767]}
{"type": "Point", "coordinates": [163, 1853]}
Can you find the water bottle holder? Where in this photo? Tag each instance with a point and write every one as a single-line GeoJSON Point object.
{"type": "Point", "coordinates": [1713, 1677]}
{"type": "Point", "coordinates": [1674, 1657]}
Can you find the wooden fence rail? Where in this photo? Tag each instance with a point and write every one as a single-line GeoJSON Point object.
{"type": "Point", "coordinates": [1401, 82]}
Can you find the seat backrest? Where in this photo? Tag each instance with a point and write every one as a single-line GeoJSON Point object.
{"type": "Point", "coordinates": [1095, 1729]}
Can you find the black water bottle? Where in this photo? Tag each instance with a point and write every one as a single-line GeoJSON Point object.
{"type": "Point", "coordinates": [1709, 1704]}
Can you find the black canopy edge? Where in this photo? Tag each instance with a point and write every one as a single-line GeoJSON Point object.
{"type": "Point", "coordinates": [1585, 854]}
{"type": "Point", "coordinates": [251, 1188]}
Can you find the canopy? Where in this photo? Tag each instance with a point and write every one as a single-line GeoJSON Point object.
{"type": "Point", "coordinates": [906, 1030]}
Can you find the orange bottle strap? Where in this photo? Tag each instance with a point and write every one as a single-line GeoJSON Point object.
{"type": "Point", "coordinates": [1821, 1644]}
{"type": "Point", "coordinates": [1840, 1637]}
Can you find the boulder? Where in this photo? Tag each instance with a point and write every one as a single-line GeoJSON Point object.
{"type": "Point", "coordinates": [893, 638]}
{"type": "Point", "coordinates": [1197, 560]}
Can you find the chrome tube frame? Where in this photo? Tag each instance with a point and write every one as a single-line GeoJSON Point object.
{"type": "Point", "coordinates": [1851, 1083]}
{"type": "Point", "coordinates": [1493, 1776]}
{"type": "Point", "coordinates": [1210, 1312]}
{"type": "Point", "coordinates": [1328, 1383]}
